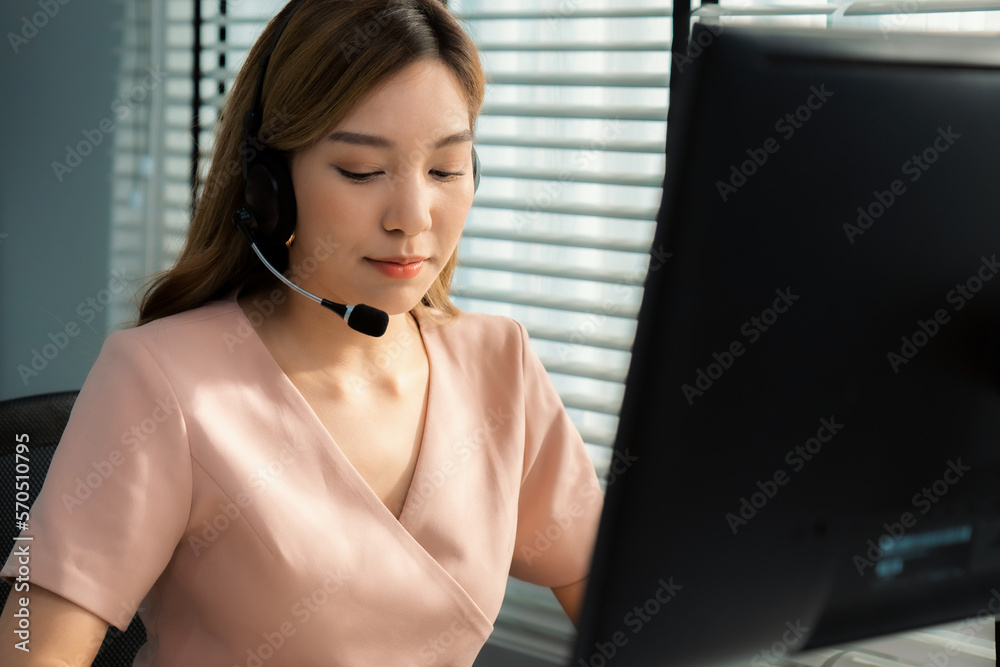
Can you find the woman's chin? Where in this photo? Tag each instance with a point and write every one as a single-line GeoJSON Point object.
{"type": "Point", "coordinates": [396, 306]}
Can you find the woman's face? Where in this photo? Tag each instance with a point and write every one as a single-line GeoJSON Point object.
{"type": "Point", "coordinates": [382, 200]}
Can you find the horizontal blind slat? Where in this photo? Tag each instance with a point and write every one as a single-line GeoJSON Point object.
{"type": "Point", "coordinates": [553, 271]}
{"type": "Point", "coordinates": [576, 111]}
{"type": "Point", "coordinates": [599, 437]}
{"type": "Point", "coordinates": [592, 404]}
{"type": "Point", "coordinates": [923, 7]}
{"type": "Point", "coordinates": [569, 13]}
{"type": "Point", "coordinates": [593, 371]}
{"type": "Point", "coordinates": [547, 301]}
{"type": "Point", "coordinates": [594, 210]}
{"type": "Point", "coordinates": [716, 11]}
{"type": "Point", "coordinates": [549, 238]}
{"type": "Point", "coordinates": [604, 178]}
{"type": "Point", "coordinates": [573, 337]}
{"type": "Point", "coordinates": [564, 143]}
{"type": "Point", "coordinates": [861, 8]}
{"type": "Point", "coordinates": [623, 80]}
{"type": "Point", "coordinates": [658, 46]}
{"type": "Point", "coordinates": [516, 15]}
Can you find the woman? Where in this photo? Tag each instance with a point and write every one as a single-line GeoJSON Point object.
{"type": "Point", "coordinates": [272, 486]}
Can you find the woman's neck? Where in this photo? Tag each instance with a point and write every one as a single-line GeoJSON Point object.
{"type": "Point", "coordinates": [305, 338]}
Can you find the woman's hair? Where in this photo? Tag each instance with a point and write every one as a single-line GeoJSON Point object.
{"type": "Point", "coordinates": [330, 55]}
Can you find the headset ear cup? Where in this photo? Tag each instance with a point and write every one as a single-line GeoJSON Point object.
{"type": "Point", "coordinates": [475, 170]}
{"type": "Point", "coordinates": [271, 197]}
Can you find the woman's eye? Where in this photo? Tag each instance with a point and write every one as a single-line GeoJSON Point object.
{"type": "Point", "coordinates": [359, 177]}
{"type": "Point", "coordinates": [446, 175]}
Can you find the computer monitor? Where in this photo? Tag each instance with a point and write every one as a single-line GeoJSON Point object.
{"type": "Point", "coordinates": [813, 403]}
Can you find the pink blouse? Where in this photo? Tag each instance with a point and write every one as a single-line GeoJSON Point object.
{"type": "Point", "coordinates": [196, 485]}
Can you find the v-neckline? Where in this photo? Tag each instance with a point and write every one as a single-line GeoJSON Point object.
{"type": "Point", "coordinates": [408, 528]}
{"type": "Point", "coordinates": [334, 448]}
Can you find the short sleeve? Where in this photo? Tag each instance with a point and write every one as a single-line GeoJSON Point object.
{"type": "Point", "coordinates": [560, 501]}
{"type": "Point", "coordinates": [116, 499]}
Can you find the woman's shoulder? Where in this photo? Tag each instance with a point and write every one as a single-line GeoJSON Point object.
{"type": "Point", "coordinates": [224, 308]}
{"type": "Point", "coordinates": [209, 329]}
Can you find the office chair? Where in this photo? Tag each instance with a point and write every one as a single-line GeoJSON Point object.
{"type": "Point", "coordinates": [43, 418]}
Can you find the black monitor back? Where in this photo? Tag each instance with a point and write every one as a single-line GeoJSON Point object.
{"type": "Point", "coordinates": [813, 404]}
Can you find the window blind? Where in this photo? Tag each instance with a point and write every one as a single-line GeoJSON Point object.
{"type": "Point", "coordinates": [885, 16]}
{"type": "Point", "coordinates": [571, 139]}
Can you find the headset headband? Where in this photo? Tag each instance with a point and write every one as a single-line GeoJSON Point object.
{"type": "Point", "coordinates": [254, 117]}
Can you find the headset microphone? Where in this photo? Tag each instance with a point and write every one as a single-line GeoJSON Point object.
{"type": "Point", "coordinates": [362, 318]}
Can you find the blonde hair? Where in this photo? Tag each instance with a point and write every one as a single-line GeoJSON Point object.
{"type": "Point", "coordinates": [331, 54]}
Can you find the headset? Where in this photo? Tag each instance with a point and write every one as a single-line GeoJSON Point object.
{"type": "Point", "coordinates": [268, 219]}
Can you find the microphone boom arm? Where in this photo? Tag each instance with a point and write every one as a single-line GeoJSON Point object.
{"type": "Point", "coordinates": [373, 321]}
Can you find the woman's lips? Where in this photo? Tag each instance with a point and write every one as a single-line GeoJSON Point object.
{"type": "Point", "coordinates": [398, 267]}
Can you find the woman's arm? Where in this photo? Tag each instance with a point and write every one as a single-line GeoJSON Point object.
{"type": "Point", "coordinates": [571, 599]}
{"type": "Point", "coordinates": [63, 634]}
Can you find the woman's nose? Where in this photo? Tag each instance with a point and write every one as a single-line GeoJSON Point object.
{"type": "Point", "coordinates": [410, 198]}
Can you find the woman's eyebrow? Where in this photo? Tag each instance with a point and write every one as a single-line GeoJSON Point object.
{"type": "Point", "coordinates": [457, 138]}
{"type": "Point", "coordinates": [360, 139]}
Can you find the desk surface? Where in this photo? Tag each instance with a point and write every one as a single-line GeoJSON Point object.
{"type": "Point", "coordinates": [969, 643]}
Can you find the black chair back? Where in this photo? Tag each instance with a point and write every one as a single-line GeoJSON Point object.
{"type": "Point", "coordinates": [42, 418]}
